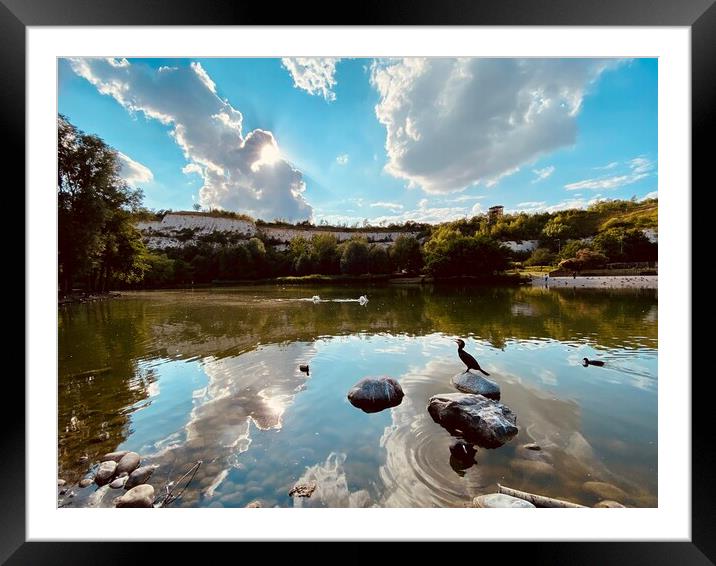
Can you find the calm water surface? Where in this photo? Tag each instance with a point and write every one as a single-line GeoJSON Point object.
{"type": "Point", "coordinates": [212, 375]}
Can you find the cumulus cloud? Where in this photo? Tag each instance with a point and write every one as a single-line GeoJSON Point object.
{"type": "Point", "coordinates": [638, 168]}
{"type": "Point", "coordinates": [240, 172]}
{"type": "Point", "coordinates": [315, 75]}
{"type": "Point", "coordinates": [541, 174]}
{"type": "Point", "coordinates": [652, 194]}
{"type": "Point", "coordinates": [451, 123]}
{"type": "Point", "coordinates": [134, 172]}
{"type": "Point", "coordinates": [342, 159]}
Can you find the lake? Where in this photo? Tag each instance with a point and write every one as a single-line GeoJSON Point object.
{"type": "Point", "coordinates": [213, 375]}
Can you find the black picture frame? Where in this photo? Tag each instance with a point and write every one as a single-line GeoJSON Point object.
{"type": "Point", "coordinates": [698, 15]}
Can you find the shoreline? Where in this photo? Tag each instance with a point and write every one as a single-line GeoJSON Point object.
{"type": "Point", "coordinates": [599, 282]}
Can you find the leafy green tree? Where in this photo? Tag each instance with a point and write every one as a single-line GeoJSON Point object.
{"type": "Point", "coordinates": [324, 248]}
{"type": "Point", "coordinates": [354, 260]}
{"type": "Point", "coordinates": [406, 254]}
{"type": "Point", "coordinates": [622, 244]}
{"type": "Point", "coordinates": [97, 241]}
{"type": "Point", "coordinates": [571, 248]}
{"type": "Point", "coordinates": [378, 260]}
{"type": "Point", "coordinates": [448, 252]}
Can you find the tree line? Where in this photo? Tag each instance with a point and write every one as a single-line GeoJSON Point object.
{"type": "Point", "coordinates": [100, 247]}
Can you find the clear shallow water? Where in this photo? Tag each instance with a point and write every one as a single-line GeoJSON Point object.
{"type": "Point", "coordinates": [213, 375]}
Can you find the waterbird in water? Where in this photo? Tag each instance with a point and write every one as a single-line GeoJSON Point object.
{"type": "Point", "coordinates": [316, 298]}
{"type": "Point", "coordinates": [466, 358]}
{"type": "Point", "coordinates": [304, 368]}
{"type": "Point", "coordinates": [363, 299]}
{"type": "Point", "coordinates": [586, 362]}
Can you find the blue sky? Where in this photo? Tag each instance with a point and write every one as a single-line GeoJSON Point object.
{"type": "Point", "coordinates": [387, 140]}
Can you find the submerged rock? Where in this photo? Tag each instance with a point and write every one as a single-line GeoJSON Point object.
{"type": "Point", "coordinates": [86, 482]}
{"type": "Point", "coordinates": [485, 422]}
{"type": "Point", "coordinates": [532, 467]}
{"type": "Point", "coordinates": [128, 463]}
{"type": "Point", "coordinates": [139, 496]}
{"type": "Point", "coordinates": [462, 456]}
{"type": "Point", "coordinates": [139, 476]}
{"type": "Point", "coordinates": [498, 500]}
{"type": "Point", "coordinates": [532, 446]}
{"type": "Point", "coordinates": [469, 382]}
{"type": "Point", "coordinates": [115, 456]}
{"type": "Point", "coordinates": [255, 505]}
{"type": "Point", "coordinates": [303, 489]}
{"type": "Point", "coordinates": [105, 472]}
{"type": "Point", "coordinates": [373, 394]}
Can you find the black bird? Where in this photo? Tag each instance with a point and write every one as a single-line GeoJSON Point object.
{"type": "Point", "coordinates": [466, 358]}
{"type": "Point", "coordinates": [586, 362]}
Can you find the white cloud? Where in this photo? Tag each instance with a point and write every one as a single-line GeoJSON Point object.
{"type": "Point", "coordinates": [563, 205]}
{"type": "Point", "coordinates": [134, 172]}
{"type": "Point", "coordinates": [639, 168]}
{"type": "Point", "coordinates": [389, 205]}
{"type": "Point", "coordinates": [542, 174]}
{"type": "Point", "coordinates": [342, 159]}
{"type": "Point", "coordinates": [238, 171]}
{"type": "Point", "coordinates": [315, 75]}
{"type": "Point", "coordinates": [531, 204]}
{"type": "Point", "coordinates": [611, 165]}
{"type": "Point", "coordinates": [652, 194]}
{"type": "Point", "coordinates": [451, 123]}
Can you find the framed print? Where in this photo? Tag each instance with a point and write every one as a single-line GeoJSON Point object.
{"type": "Point", "coordinates": [308, 279]}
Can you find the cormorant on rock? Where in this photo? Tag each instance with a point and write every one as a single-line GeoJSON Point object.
{"type": "Point", "coordinates": [586, 362]}
{"type": "Point", "coordinates": [466, 358]}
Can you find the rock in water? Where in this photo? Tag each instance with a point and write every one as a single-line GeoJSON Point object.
{"type": "Point", "coordinates": [605, 490]}
{"type": "Point", "coordinates": [487, 423]}
{"type": "Point", "coordinates": [373, 394]}
{"type": "Point", "coordinates": [86, 482]}
{"type": "Point", "coordinates": [105, 472]}
{"type": "Point", "coordinates": [139, 496]}
{"type": "Point", "coordinates": [128, 463]}
{"type": "Point", "coordinates": [61, 482]}
{"type": "Point", "coordinates": [115, 456]}
{"type": "Point", "coordinates": [118, 482]}
{"type": "Point", "coordinates": [469, 382]}
{"type": "Point", "coordinates": [495, 500]}
{"type": "Point", "coordinates": [139, 476]}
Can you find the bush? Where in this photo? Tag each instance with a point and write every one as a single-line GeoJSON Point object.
{"type": "Point", "coordinates": [406, 254]}
{"type": "Point", "coordinates": [585, 259]}
{"type": "Point", "coordinates": [378, 260]}
{"type": "Point", "coordinates": [541, 256]}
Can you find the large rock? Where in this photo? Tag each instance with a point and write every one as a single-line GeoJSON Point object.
{"type": "Point", "coordinates": [139, 496]}
{"type": "Point", "coordinates": [478, 419]}
{"type": "Point", "coordinates": [469, 382]}
{"type": "Point", "coordinates": [128, 463]}
{"type": "Point", "coordinates": [606, 504]}
{"type": "Point", "coordinates": [139, 476]}
{"type": "Point", "coordinates": [105, 472]}
{"type": "Point", "coordinates": [119, 482]}
{"type": "Point", "coordinates": [497, 500]}
{"type": "Point", "coordinates": [115, 456]}
{"type": "Point", "coordinates": [373, 394]}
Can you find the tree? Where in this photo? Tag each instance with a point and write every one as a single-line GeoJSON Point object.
{"type": "Point", "coordinates": [449, 252]}
{"type": "Point", "coordinates": [406, 253]}
{"type": "Point", "coordinates": [354, 260]}
{"type": "Point", "coordinates": [97, 241]}
{"type": "Point", "coordinates": [378, 260]}
{"type": "Point", "coordinates": [324, 249]}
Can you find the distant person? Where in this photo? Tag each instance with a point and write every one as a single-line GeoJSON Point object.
{"type": "Point", "coordinates": [574, 274]}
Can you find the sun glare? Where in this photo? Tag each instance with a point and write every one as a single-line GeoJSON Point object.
{"type": "Point", "coordinates": [270, 154]}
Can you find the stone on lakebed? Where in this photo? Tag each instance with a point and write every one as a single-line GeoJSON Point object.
{"type": "Point", "coordinates": [139, 496]}
{"type": "Point", "coordinates": [139, 476]}
{"type": "Point", "coordinates": [478, 419]}
{"type": "Point", "coordinates": [105, 472]}
{"type": "Point", "coordinates": [128, 463]}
